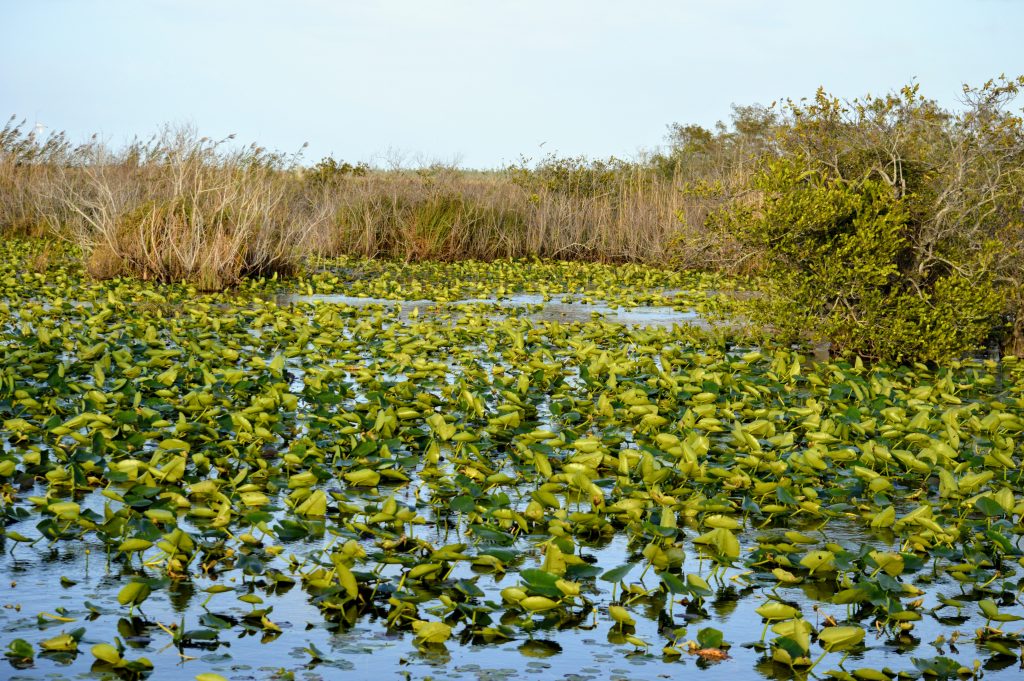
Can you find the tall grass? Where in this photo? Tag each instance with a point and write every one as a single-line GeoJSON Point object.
{"type": "Point", "coordinates": [448, 214]}
{"type": "Point", "coordinates": [29, 162]}
{"type": "Point", "coordinates": [180, 207]}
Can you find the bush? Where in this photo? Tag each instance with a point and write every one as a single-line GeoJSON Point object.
{"type": "Point", "coordinates": [890, 226]}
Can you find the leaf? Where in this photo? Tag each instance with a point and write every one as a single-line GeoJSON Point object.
{"type": "Point", "coordinates": [673, 584]}
{"type": "Point", "coordinates": [621, 615]}
{"type": "Point", "coordinates": [538, 603]}
{"type": "Point", "coordinates": [890, 562]}
{"type": "Point", "coordinates": [709, 637]}
{"type": "Point", "coordinates": [173, 445]}
{"type": "Point", "coordinates": [989, 608]}
{"type": "Point", "coordinates": [796, 630]}
{"type": "Point", "coordinates": [363, 477]}
{"type": "Point", "coordinates": [134, 544]}
{"type": "Point", "coordinates": [106, 652]}
{"type": "Point", "coordinates": [819, 560]}
{"type": "Point", "coordinates": [616, 574]}
{"type": "Point", "coordinates": [722, 541]}
{"type": "Point", "coordinates": [989, 506]}
{"type": "Point", "coordinates": [884, 518]}
{"type": "Point", "coordinates": [133, 593]}
{"type": "Point", "coordinates": [314, 505]}
{"type": "Point", "coordinates": [793, 650]}
{"type": "Point", "coordinates": [991, 612]}
{"type": "Point", "coordinates": [840, 638]}
{"type": "Point", "coordinates": [785, 576]}
{"type": "Point", "coordinates": [542, 582]}
{"type": "Point", "coordinates": [431, 632]}
{"type": "Point", "coordinates": [773, 610]}
{"type": "Point", "coordinates": [463, 504]}
{"type": "Point", "coordinates": [698, 584]}
{"type": "Point", "coordinates": [347, 580]}
{"type": "Point", "coordinates": [62, 642]}
{"type": "Point", "coordinates": [20, 649]}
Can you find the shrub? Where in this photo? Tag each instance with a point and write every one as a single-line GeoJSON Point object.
{"type": "Point", "coordinates": [890, 226]}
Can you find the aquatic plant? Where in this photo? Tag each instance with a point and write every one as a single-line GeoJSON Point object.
{"type": "Point", "coordinates": [217, 469]}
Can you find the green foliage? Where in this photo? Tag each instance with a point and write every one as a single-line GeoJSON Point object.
{"type": "Point", "coordinates": [834, 250]}
{"type": "Point", "coordinates": [329, 172]}
{"type": "Point", "coordinates": [872, 237]}
{"type": "Point", "coordinates": [575, 176]}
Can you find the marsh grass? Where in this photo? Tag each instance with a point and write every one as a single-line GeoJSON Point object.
{"type": "Point", "coordinates": [448, 214]}
{"type": "Point", "coordinates": [28, 164]}
{"type": "Point", "coordinates": [180, 207]}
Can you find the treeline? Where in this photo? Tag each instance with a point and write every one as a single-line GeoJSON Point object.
{"type": "Point", "coordinates": [889, 225]}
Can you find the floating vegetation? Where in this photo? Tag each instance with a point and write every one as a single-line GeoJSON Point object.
{"type": "Point", "coordinates": [222, 486]}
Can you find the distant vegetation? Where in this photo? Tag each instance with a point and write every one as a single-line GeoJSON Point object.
{"type": "Point", "coordinates": [889, 225]}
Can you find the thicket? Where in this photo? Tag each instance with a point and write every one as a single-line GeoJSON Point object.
{"type": "Point", "coordinates": [890, 226]}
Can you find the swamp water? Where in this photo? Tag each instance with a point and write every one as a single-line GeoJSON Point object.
{"type": "Point", "coordinates": [491, 488]}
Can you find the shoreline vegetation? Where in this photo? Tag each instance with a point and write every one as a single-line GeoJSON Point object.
{"type": "Point", "coordinates": [889, 225]}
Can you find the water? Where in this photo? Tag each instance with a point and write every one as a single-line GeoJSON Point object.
{"type": "Point", "coordinates": [588, 650]}
{"type": "Point", "coordinates": [558, 646]}
{"type": "Point", "coordinates": [540, 309]}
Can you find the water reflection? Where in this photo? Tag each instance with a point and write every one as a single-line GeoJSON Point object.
{"type": "Point", "coordinates": [535, 307]}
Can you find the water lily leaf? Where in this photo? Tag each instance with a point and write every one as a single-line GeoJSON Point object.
{"type": "Point", "coordinates": [538, 603]}
{"type": "Point", "coordinates": [989, 506]}
{"type": "Point", "coordinates": [617, 574]}
{"type": "Point", "coordinates": [709, 637]}
{"type": "Point", "coordinates": [840, 638]}
{"type": "Point", "coordinates": [697, 584]}
{"type": "Point", "coordinates": [788, 651]}
{"type": "Point", "coordinates": [891, 563]}
{"type": "Point", "coordinates": [62, 642]}
{"type": "Point", "coordinates": [884, 518]}
{"type": "Point", "coordinates": [541, 582]}
{"type": "Point", "coordinates": [106, 653]}
{"type": "Point", "coordinates": [314, 505]}
{"type": "Point", "coordinates": [173, 445]}
{"type": "Point", "coordinates": [20, 649]}
{"type": "Point", "coordinates": [133, 593]}
{"type": "Point", "coordinates": [722, 541]}
{"type": "Point", "coordinates": [463, 504]}
{"type": "Point", "coordinates": [621, 615]}
{"type": "Point", "coordinates": [134, 544]}
{"type": "Point", "coordinates": [673, 584]}
{"type": "Point", "coordinates": [363, 478]}
{"type": "Point", "coordinates": [819, 561]}
{"type": "Point", "coordinates": [991, 612]}
{"type": "Point", "coordinates": [773, 610]}
{"type": "Point", "coordinates": [785, 576]}
{"type": "Point", "coordinates": [432, 632]}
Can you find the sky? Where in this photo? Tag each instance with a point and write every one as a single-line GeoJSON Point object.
{"type": "Point", "coordinates": [479, 83]}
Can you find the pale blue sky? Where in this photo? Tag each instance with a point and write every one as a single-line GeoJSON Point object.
{"type": "Point", "coordinates": [476, 81]}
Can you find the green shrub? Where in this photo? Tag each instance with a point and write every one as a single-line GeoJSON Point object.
{"type": "Point", "coordinates": [889, 226]}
